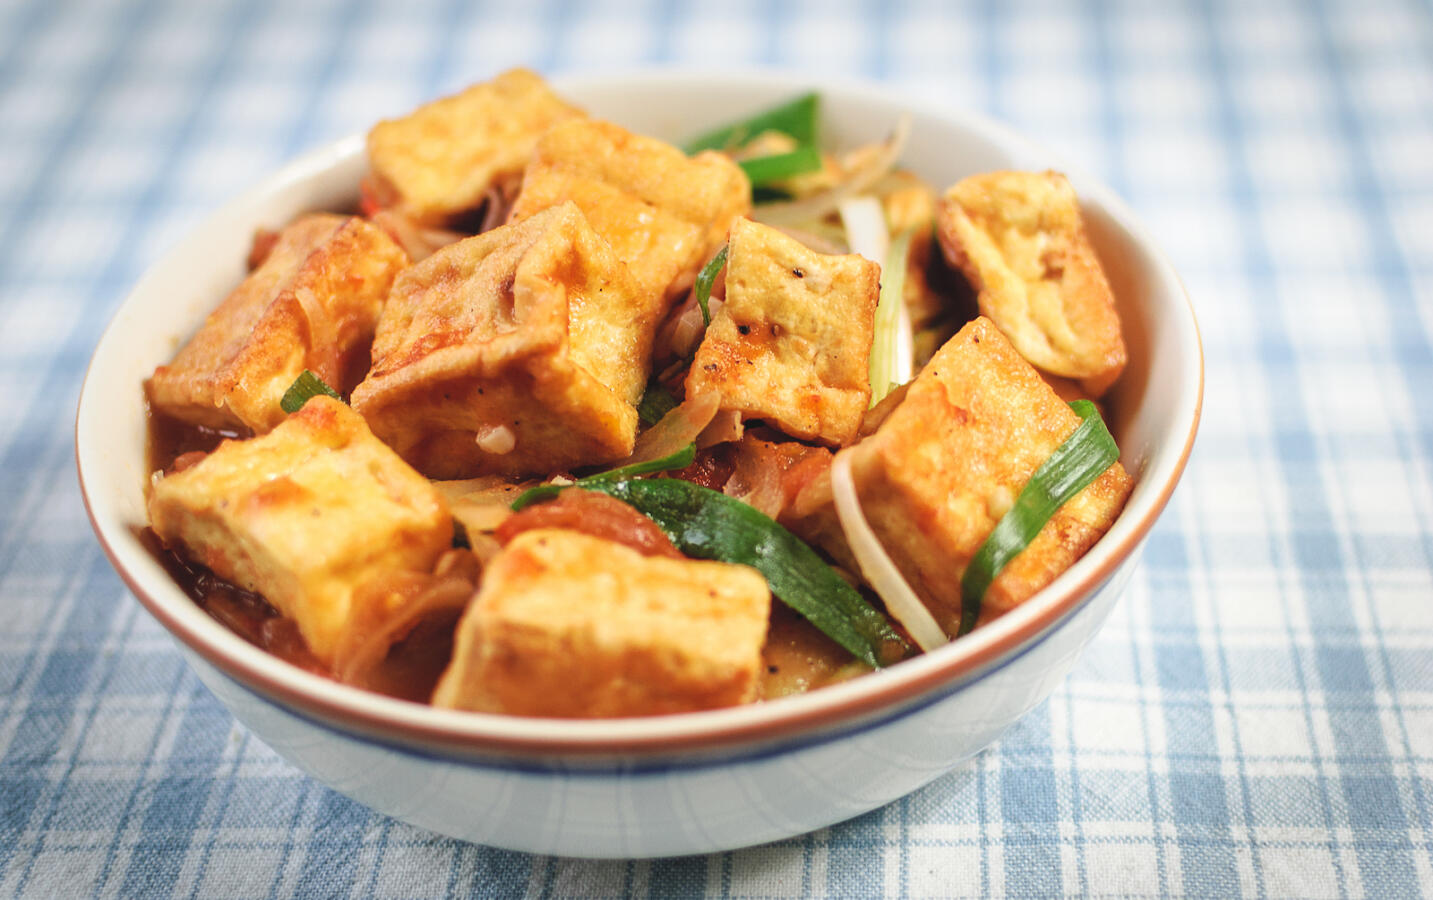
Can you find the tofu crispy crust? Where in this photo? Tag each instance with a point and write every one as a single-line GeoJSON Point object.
{"type": "Point", "coordinates": [791, 344]}
{"type": "Point", "coordinates": [312, 304]}
{"type": "Point", "coordinates": [1020, 240]}
{"type": "Point", "coordinates": [305, 515]}
{"type": "Point", "coordinates": [440, 159]}
{"type": "Point", "coordinates": [663, 213]}
{"type": "Point", "coordinates": [570, 625]}
{"type": "Point", "coordinates": [532, 330]}
{"type": "Point", "coordinates": [950, 460]}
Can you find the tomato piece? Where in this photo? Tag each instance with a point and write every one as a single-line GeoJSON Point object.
{"type": "Point", "coordinates": [596, 514]}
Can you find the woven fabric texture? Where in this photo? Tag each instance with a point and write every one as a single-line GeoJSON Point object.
{"type": "Point", "coordinates": [1257, 717]}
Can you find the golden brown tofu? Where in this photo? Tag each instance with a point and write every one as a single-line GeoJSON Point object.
{"type": "Point", "coordinates": [312, 304]}
{"type": "Point", "coordinates": [663, 213]}
{"type": "Point", "coordinates": [442, 158]}
{"type": "Point", "coordinates": [570, 625]}
{"type": "Point", "coordinates": [523, 350]}
{"type": "Point", "coordinates": [1019, 239]}
{"type": "Point", "coordinates": [792, 343]}
{"type": "Point", "coordinates": [950, 460]}
{"type": "Point", "coordinates": [305, 516]}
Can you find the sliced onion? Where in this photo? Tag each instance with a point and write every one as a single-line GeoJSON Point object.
{"type": "Point", "coordinates": [882, 574]}
{"type": "Point", "coordinates": [416, 597]}
{"type": "Point", "coordinates": [480, 516]}
{"type": "Point", "coordinates": [724, 427]}
{"type": "Point", "coordinates": [498, 203]}
{"type": "Point", "coordinates": [867, 172]}
{"type": "Point", "coordinates": [418, 242]}
{"type": "Point", "coordinates": [323, 337]}
{"type": "Point", "coordinates": [684, 330]}
{"type": "Point", "coordinates": [677, 428]}
{"type": "Point", "coordinates": [483, 489]}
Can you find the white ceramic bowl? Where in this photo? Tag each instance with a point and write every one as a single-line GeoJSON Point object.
{"type": "Point", "coordinates": [677, 784]}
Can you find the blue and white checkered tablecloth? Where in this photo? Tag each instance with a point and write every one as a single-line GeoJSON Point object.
{"type": "Point", "coordinates": [1256, 719]}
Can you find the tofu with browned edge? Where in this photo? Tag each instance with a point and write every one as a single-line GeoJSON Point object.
{"type": "Point", "coordinates": [1020, 240]}
{"type": "Point", "coordinates": [312, 304]}
{"type": "Point", "coordinates": [949, 461]}
{"type": "Point", "coordinates": [570, 625]}
{"type": "Point", "coordinates": [791, 344]}
{"type": "Point", "coordinates": [305, 515]}
{"type": "Point", "coordinates": [664, 213]}
{"type": "Point", "coordinates": [523, 350]}
{"type": "Point", "coordinates": [441, 159]}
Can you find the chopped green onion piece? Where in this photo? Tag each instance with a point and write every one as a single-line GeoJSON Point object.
{"type": "Point", "coordinates": [760, 195]}
{"type": "Point", "coordinates": [707, 524]}
{"type": "Point", "coordinates": [678, 460]}
{"type": "Point", "coordinates": [305, 386]}
{"type": "Point", "coordinates": [795, 117]}
{"type": "Point", "coordinates": [1075, 464]}
{"type": "Point", "coordinates": [657, 401]}
{"type": "Point", "coordinates": [884, 367]}
{"type": "Point", "coordinates": [764, 170]}
{"type": "Point", "coordinates": [705, 279]}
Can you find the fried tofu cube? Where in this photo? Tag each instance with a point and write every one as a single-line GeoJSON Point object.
{"type": "Point", "coordinates": [305, 515]}
{"type": "Point", "coordinates": [664, 213]}
{"type": "Point", "coordinates": [440, 159]}
{"type": "Point", "coordinates": [1020, 240]}
{"type": "Point", "coordinates": [792, 342]}
{"type": "Point", "coordinates": [312, 304]}
{"type": "Point", "coordinates": [570, 625]}
{"type": "Point", "coordinates": [523, 350]}
{"type": "Point", "coordinates": [949, 461]}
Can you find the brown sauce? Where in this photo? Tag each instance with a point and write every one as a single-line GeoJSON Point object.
{"type": "Point", "coordinates": [243, 612]}
{"type": "Point", "coordinates": [796, 658]}
{"type": "Point", "coordinates": [169, 439]}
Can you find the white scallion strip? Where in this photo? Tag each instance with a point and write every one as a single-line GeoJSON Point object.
{"type": "Point", "coordinates": [901, 601]}
{"type": "Point", "coordinates": [904, 367]}
{"type": "Point", "coordinates": [865, 224]}
{"type": "Point", "coordinates": [892, 345]}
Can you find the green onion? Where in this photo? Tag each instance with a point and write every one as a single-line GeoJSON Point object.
{"type": "Point", "coordinates": [705, 278]}
{"type": "Point", "coordinates": [885, 369]}
{"type": "Point", "coordinates": [305, 386]}
{"type": "Point", "coordinates": [1075, 464]}
{"type": "Point", "coordinates": [796, 118]}
{"type": "Point", "coordinates": [764, 170]}
{"type": "Point", "coordinates": [760, 195]}
{"type": "Point", "coordinates": [656, 402]}
{"type": "Point", "coordinates": [707, 524]}
{"type": "Point", "coordinates": [678, 460]}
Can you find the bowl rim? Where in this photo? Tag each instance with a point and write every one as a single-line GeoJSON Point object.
{"type": "Point", "coordinates": [880, 695]}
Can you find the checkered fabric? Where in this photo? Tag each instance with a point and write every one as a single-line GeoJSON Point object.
{"type": "Point", "coordinates": [1257, 717]}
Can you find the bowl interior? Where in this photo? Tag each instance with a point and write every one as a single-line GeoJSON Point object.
{"type": "Point", "coordinates": [1154, 408]}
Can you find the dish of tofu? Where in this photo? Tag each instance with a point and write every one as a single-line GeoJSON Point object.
{"type": "Point", "coordinates": [567, 421]}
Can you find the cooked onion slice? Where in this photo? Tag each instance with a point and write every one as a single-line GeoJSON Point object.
{"type": "Point", "coordinates": [678, 428]}
{"type": "Point", "coordinates": [417, 241]}
{"type": "Point", "coordinates": [323, 335]}
{"type": "Point", "coordinates": [387, 610]}
{"type": "Point", "coordinates": [901, 601]}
